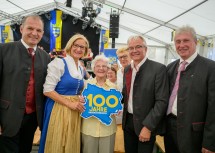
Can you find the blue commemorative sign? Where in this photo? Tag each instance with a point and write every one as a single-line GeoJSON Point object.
{"type": "Point", "coordinates": [101, 103]}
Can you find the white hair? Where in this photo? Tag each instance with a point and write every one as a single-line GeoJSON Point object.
{"type": "Point", "coordinates": [186, 29]}
{"type": "Point", "coordinates": [99, 58]}
{"type": "Point", "coordinates": [136, 37]}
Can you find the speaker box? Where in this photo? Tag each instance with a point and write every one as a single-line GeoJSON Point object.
{"type": "Point", "coordinates": [114, 26]}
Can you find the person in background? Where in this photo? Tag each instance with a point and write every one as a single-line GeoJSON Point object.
{"type": "Point", "coordinates": [97, 137]}
{"type": "Point", "coordinates": [53, 54]}
{"type": "Point", "coordinates": [115, 65]}
{"type": "Point", "coordinates": [125, 60]}
{"type": "Point", "coordinates": [111, 75]}
{"type": "Point", "coordinates": [86, 74]}
{"type": "Point", "coordinates": [61, 54]}
{"type": "Point", "coordinates": [191, 110]}
{"type": "Point", "coordinates": [145, 94]}
{"type": "Point", "coordinates": [63, 85]}
{"type": "Point", "coordinates": [89, 57]}
{"type": "Point", "coordinates": [23, 68]}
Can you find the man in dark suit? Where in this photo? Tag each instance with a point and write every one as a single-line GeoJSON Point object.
{"type": "Point", "coordinates": [191, 110]}
{"type": "Point", "coordinates": [145, 93]}
{"type": "Point", "coordinates": [23, 68]}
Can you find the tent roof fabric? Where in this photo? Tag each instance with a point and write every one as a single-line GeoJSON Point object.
{"type": "Point", "coordinates": [154, 19]}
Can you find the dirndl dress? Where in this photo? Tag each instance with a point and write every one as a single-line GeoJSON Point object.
{"type": "Point", "coordinates": [61, 125]}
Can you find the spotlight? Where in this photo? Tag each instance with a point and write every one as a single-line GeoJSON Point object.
{"type": "Point", "coordinates": [48, 16]}
{"type": "Point", "coordinates": [98, 30]}
{"type": "Point", "coordinates": [63, 16]}
{"type": "Point", "coordinates": [84, 25]}
{"type": "Point", "coordinates": [13, 27]}
{"type": "Point", "coordinates": [75, 20]}
{"type": "Point", "coordinates": [98, 10]}
{"type": "Point", "coordinates": [84, 12]}
{"type": "Point", "coordinates": [91, 22]}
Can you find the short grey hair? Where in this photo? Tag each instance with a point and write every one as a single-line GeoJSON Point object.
{"type": "Point", "coordinates": [99, 58]}
{"type": "Point", "coordinates": [34, 16]}
{"type": "Point", "coordinates": [135, 37]}
{"type": "Point", "coordinates": [186, 29]}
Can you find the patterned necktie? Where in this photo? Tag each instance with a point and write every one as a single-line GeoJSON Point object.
{"type": "Point", "coordinates": [31, 51]}
{"type": "Point", "coordinates": [175, 89]}
{"type": "Point", "coordinates": [30, 92]}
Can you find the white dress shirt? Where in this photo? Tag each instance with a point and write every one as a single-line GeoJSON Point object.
{"type": "Point", "coordinates": [189, 60]}
{"type": "Point", "coordinates": [134, 72]}
{"type": "Point", "coordinates": [56, 70]}
{"type": "Point", "coordinates": [26, 46]}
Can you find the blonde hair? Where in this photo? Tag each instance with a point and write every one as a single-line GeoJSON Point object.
{"type": "Point", "coordinates": [73, 39]}
{"type": "Point", "coordinates": [122, 50]}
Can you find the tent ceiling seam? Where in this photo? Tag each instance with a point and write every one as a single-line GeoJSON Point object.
{"type": "Point", "coordinates": [141, 15]}
{"type": "Point", "coordinates": [123, 6]}
{"type": "Point", "coordinates": [16, 5]}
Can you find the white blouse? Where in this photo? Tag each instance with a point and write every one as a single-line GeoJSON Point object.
{"type": "Point", "coordinates": [56, 70]}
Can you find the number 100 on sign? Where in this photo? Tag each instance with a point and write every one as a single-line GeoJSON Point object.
{"type": "Point", "coordinates": [99, 103]}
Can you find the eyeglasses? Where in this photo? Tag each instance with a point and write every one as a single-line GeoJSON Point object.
{"type": "Point", "coordinates": [75, 46]}
{"type": "Point", "coordinates": [122, 57]}
{"type": "Point", "coordinates": [101, 67]}
{"type": "Point", "coordinates": [136, 47]}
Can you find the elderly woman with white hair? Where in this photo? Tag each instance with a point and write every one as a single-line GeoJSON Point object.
{"type": "Point", "coordinates": [97, 137]}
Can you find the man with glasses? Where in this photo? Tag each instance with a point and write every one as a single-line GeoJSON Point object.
{"type": "Point", "coordinates": [145, 92]}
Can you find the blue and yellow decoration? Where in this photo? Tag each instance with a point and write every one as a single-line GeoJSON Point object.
{"type": "Point", "coordinates": [6, 34]}
{"type": "Point", "coordinates": [104, 40]}
{"type": "Point", "coordinates": [101, 103]}
{"type": "Point", "coordinates": [55, 30]}
{"type": "Point", "coordinates": [111, 54]}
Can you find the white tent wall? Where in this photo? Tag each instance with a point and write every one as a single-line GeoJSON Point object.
{"type": "Point", "coordinates": [208, 49]}
{"type": "Point", "coordinates": [212, 50]}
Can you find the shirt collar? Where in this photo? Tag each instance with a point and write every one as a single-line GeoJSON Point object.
{"type": "Point", "coordinates": [72, 59]}
{"type": "Point", "coordinates": [190, 59]}
{"type": "Point", "coordinates": [106, 84]}
{"type": "Point", "coordinates": [139, 65]}
{"type": "Point", "coordinates": [26, 46]}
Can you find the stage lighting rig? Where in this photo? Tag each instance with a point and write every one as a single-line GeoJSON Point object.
{"type": "Point", "coordinates": [98, 30]}
{"type": "Point", "coordinates": [84, 25]}
{"type": "Point", "coordinates": [75, 20]}
{"type": "Point", "coordinates": [89, 11]}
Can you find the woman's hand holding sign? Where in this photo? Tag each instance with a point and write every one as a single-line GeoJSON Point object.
{"type": "Point", "coordinates": [77, 105]}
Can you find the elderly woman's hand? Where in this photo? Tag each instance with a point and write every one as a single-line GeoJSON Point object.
{"type": "Point", "coordinates": [81, 99]}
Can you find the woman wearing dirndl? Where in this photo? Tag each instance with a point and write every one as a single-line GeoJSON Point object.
{"type": "Point", "coordinates": [63, 85]}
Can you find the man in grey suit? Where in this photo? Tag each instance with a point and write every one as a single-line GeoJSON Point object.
{"type": "Point", "coordinates": [145, 93]}
{"type": "Point", "coordinates": [191, 110]}
{"type": "Point", "coordinates": [23, 68]}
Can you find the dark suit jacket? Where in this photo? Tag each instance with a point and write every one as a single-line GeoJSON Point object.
{"type": "Point", "coordinates": [150, 96]}
{"type": "Point", "coordinates": [195, 104]}
{"type": "Point", "coordinates": [15, 68]}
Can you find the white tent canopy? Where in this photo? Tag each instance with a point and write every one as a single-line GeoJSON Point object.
{"type": "Point", "coordinates": [154, 19]}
